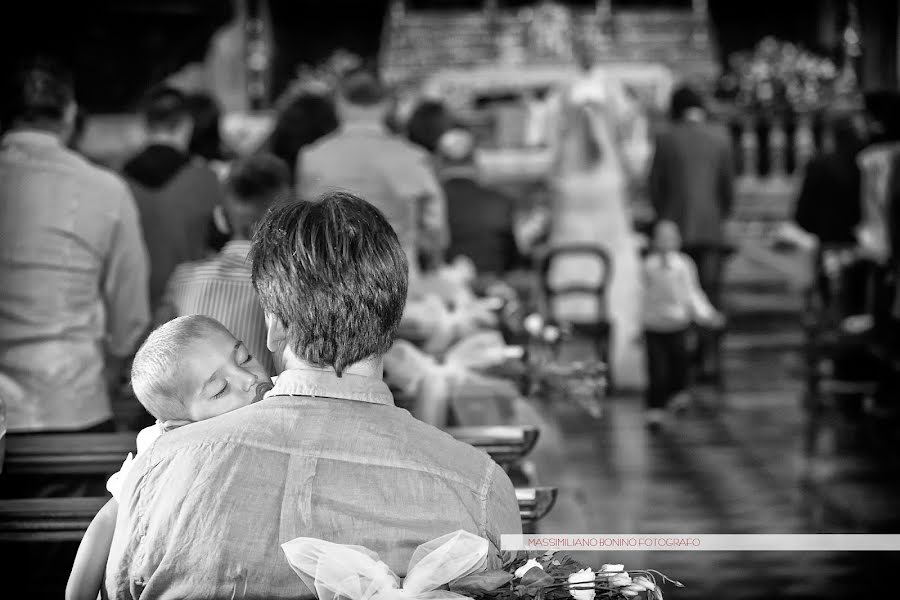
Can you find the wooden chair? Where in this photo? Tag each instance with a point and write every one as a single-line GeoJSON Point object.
{"type": "Point", "coordinates": [600, 330]}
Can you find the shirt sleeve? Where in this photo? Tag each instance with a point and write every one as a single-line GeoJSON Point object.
{"type": "Point", "coordinates": [126, 281]}
{"type": "Point", "coordinates": [435, 228]}
{"type": "Point", "coordinates": [657, 180]}
{"type": "Point", "coordinates": [502, 508]}
{"type": "Point", "coordinates": [726, 180]}
{"type": "Point", "coordinates": [701, 308]}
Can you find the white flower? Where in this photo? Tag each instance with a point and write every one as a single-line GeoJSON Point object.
{"type": "Point", "coordinates": [520, 572]}
{"type": "Point", "coordinates": [581, 577]}
{"type": "Point", "coordinates": [534, 323]}
{"type": "Point", "coordinates": [643, 582]}
{"type": "Point", "coordinates": [617, 577]}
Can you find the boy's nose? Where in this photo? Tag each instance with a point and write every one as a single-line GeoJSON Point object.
{"type": "Point", "coordinates": [249, 380]}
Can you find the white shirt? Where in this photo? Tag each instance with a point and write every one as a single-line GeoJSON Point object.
{"type": "Point", "coordinates": [673, 298]}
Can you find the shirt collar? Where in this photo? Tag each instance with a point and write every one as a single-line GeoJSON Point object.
{"type": "Point", "coordinates": [326, 384]}
{"type": "Point", "coordinates": [236, 248]}
{"type": "Point", "coordinates": [364, 126]}
{"type": "Point", "coordinates": [32, 136]}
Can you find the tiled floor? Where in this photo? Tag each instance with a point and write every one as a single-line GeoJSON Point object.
{"type": "Point", "coordinates": [734, 464]}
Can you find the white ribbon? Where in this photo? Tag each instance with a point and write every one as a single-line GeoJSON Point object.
{"type": "Point", "coordinates": [338, 571]}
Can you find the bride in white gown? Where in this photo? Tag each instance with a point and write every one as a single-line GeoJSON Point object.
{"type": "Point", "coordinates": [591, 207]}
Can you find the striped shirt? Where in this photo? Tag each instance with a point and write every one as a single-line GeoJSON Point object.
{"type": "Point", "coordinates": [220, 287]}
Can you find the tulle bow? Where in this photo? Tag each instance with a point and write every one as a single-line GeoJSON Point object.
{"type": "Point", "coordinates": [337, 571]}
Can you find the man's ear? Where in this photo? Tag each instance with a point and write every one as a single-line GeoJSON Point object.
{"type": "Point", "coordinates": [221, 220]}
{"type": "Point", "coordinates": [276, 334]}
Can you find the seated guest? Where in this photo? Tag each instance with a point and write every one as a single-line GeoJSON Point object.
{"type": "Point", "coordinates": [73, 266]}
{"type": "Point", "coordinates": [176, 193]}
{"type": "Point", "coordinates": [480, 219]}
{"type": "Point", "coordinates": [190, 369]}
{"type": "Point", "coordinates": [325, 454]}
{"type": "Point", "coordinates": [220, 287]}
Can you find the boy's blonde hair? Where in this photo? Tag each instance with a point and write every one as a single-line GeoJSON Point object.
{"type": "Point", "coordinates": [156, 374]}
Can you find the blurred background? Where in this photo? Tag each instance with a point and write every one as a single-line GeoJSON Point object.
{"type": "Point", "coordinates": [794, 429]}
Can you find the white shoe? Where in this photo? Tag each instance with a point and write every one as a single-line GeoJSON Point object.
{"type": "Point", "coordinates": [680, 403]}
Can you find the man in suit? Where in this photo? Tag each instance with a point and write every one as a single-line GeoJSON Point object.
{"type": "Point", "coordinates": [692, 185]}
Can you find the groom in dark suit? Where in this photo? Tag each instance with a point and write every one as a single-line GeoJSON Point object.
{"type": "Point", "coordinates": [692, 184]}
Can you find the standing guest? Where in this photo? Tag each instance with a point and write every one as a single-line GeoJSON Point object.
{"type": "Point", "coordinates": [176, 193]}
{"type": "Point", "coordinates": [72, 262]}
{"type": "Point", "coordinates": [220, 287]}
{"type": "Point", "coordinates": [480, 219]}
{"type": "Point", "coordinates": [303, 118]}
{"type": "Point", "coordinates": [326, 453]}
{"type": "Point", "coordinates": [673, 301]}
{"type": "Point", "coordinates": [829, 207]}
{"type": "Point", "coordinates": [692, 184]}
{"type": "Point", "coordinates": [364, 158]}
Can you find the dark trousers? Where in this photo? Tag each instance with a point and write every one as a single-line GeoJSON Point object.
{"type": "Point", "coordinates": [709, 261]}
{"type": "Point", "coordinates": [667, 366]}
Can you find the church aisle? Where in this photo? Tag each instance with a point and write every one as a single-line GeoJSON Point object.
{"type": "Point", "coordinates": [733, 464]}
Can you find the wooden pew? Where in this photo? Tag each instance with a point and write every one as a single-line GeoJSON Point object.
{"type": "Point", "coordinates": [507, 445]}
{"type": "Point", "coordinates": [67, 453]}
{"type": "Point", "coordinates": [101, 454]}
{"type": "Point", "coordinates": [534, 504]}
{"type": "Point", "coordinates": [47, 519]}
{"type": "Point", "coordinates": [66, 519]}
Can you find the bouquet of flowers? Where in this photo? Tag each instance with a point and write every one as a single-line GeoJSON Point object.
{"type": "Point", "coordinates": [452, 567]}
{"type": "Point", "coordinates": [540, 575]}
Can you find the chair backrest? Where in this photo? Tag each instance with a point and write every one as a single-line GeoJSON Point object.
{"type": "Point", "coordinates": [597, 288]}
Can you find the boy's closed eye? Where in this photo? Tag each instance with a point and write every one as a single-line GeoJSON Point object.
{"type": "Point", "coordinates": [242, 357]}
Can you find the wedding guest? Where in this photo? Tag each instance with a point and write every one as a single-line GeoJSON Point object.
{"type": "Point", "coordinates": [364, 158]}
{"type": "Point", "coordinates": [829, 206]}
{"type": "Point", "coordinates": [303, 119]}
{"type": "Point", "coordinates": [72, 262]}
{"type": "Point", "coordinates": [673, 301]}
{"type": "Point", "coordinates": [692, 184]}
{"type": "Point", "coordinates": [480, 218]}
{"type": "Point", "coordinates": [326, 454]}
{"type": "Point", "coordinates": [176, 192]}
{"type": "Point", "coordinates": [189, 369]}
{"type": "Point", "coordinates": [221, 287]}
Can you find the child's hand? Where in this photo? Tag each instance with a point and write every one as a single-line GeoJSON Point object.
{"type": "Point", "coordinates": [715, 321]}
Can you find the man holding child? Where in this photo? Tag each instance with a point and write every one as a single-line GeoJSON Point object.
{"type": "Point", "coordinates": [325, 454]}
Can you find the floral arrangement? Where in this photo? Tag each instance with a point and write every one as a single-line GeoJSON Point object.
{"type": "Point", "coordinates": [778, 74]}
{"type": "Point", "coordinates": [321, 78]}
{"type": "Point", "coordinates": [453, 567]}
{"type": "Point", "coordinates": [540, 575]}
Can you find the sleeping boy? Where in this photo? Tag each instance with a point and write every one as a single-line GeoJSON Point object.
{"type": "Point", "coordinates": [189, 369]}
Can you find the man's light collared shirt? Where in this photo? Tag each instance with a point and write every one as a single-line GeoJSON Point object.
{"type": "Point", "coordinates": [385, 170]}
{"type": "Point", "coordinates": [205, 510]}
{"type": "Point", "coordinates": [73, 282]}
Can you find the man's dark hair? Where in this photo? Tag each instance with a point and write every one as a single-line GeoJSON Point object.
{"type": "Point", "coordinates": [165, 108]}
{"type": "Point", "coordinates": [684, 98]}
{"type": "Point", "coordinates": [427, 123]}
{"type": "Point", "coordinates": [38, 91]}
{"type": "Point", "coordinates": [333, 272]}
{"type": "Point", "coordinates": [362, 88]}
{"type": "Point", "coordinates": [255, 179]}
